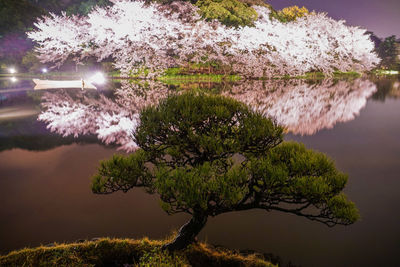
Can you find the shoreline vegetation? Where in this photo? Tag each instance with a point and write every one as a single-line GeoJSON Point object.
{"type": "Point", "coordinates": [177, 78]}
{"type": "Point", "coordinates": [130, 252]}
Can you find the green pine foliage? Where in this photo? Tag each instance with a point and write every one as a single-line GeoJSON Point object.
{"type": "Point", "coordinates": [207, 154]}
{"type": "Point", "coordinates": [389, 52]}
{"type": "Point", "coordinates": [229, 12]}
{"type": "Point", "coordinates": [232, 13]}
{"type": "Point", "coordinates": [84, 7]}
{"type": "Point", "coordinates": [17, 16]}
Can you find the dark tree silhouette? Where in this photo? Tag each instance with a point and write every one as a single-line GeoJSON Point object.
{"type": "Point", "coordinates": [207, 155]}
{"type": "Point", "coordinates": [388, 52]}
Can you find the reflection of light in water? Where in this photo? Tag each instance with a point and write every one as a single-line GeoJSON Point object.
{"type": "Point", "coordinates": [13, 79]}
{"type": "Point", "coordinates": [17, 112]}
{"type": "Point", "coordinates": [305, 108]}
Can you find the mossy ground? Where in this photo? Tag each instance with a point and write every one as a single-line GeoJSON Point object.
{"type": "Point", "coordinates": [128, 252]}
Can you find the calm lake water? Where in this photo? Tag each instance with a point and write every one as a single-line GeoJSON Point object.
{"type": "Point", "coordinates": [51, 142]}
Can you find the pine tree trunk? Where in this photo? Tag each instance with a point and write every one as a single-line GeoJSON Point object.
{"type": "Point", "coordinates": [188, 232]}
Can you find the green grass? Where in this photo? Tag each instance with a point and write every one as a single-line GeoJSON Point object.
{"type": "Point", "coordinates": [196, 73]}
{"type": "Point", "coordinates": [173, 76]}
{"type": "Point", "coordinates": [117, 252]}
{"type": "Point", "coordinates": [349, 74]}
{"type": "Point", "coordinates": [197, 78]}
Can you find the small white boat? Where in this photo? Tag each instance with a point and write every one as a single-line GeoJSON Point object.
{"type": "Point", "coordinates": [52, 84]}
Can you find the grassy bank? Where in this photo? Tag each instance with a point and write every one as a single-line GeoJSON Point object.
{"type": "Point", "coordinates": [174, 76]}
{"type": "Point", "coordinates": [119, 252]}
{"type": "Point", "coordinates": [198, 78]}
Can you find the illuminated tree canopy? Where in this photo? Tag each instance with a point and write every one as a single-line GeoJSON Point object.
{"type": "Point", "coordinates": [157, 36]}
{"type": "Point", "coordinates": [207, 155]}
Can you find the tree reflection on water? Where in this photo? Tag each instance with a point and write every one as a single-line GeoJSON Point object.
{"type": "Point", "coordinates": [73, 112]}
{"type": "Point", "coordinates": [301, 106]}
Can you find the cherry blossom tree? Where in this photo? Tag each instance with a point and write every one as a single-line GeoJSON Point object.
{"type": "Point", "coordinates": [155, 36]}
{"type": "Point", "coordinates": [61, 37]}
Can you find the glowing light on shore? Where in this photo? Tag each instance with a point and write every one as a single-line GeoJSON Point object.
{"type": "Point", "coordinates": [44, 70]}
{"type": "Point", "coordinates": [12, 70]}
{"type": "Point", "coordinates": [98, 78]}
{"type": "Point", "coordinates": [390, 72]}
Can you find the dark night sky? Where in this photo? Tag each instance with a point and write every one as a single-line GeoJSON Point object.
{"type": "Point", "coordinates": [382, 17]}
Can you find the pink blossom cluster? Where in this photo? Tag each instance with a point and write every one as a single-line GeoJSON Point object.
{"type": "Point", "coordinates": [136, 35]}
